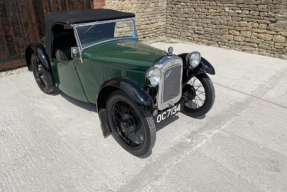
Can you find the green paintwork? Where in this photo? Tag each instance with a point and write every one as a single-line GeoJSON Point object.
{"type": "Point", "coordinates": [55, 71]}
{"type": "Point", "coordinates": [43, 40]}
{"type": "Point", "coordinates": [69, 81]}
{"type": "Point", "coordinates": [128, 58]}
{"type": "Point", "coordinates": [88, 78]}
{"type": "Point", "coordinates": [130, 53]}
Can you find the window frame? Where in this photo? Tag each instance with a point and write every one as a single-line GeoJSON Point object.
{"type": "Point", "coordinates": [104, 41]}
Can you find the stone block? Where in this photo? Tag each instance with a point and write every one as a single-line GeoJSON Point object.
{"type": "Point", "coordinates": [246, 12]}
{"type": "Point", "coordinates": [262, 26]}
{"type": "Point", "coordinates": [259, 30]}
{"type": "Point", "coordinates": [252, 24]}
{"type": "Point", "coordinates": [254, 13]}
{"type": "Point", "coordinates": [233, 32]}
{"type": "Point", "coordinates": [250, 19]}
{"type": "Point", "coordinates": [236, 18]}
{"type": "Point", "coordinates": [265, 37]}
{"type": "Point", "coordinates": [262, 6]}
{"type": "Point", "coordinates": [213, 3]}
{"type": "Point", "coordinates": [280, 45]}
{"type": "Point", "coordinates": [281, 16]}
{"type": "Point", "coordinates": [251, 40]}
{"type": "Point", "coordinates": [233, 23]}
{"type": "Point", "coordinates": [271, 32]}
{"type": "Point", "coordinates": [239, 38]}
{"type": "Point", "coordinates": [246, 33]}
{"type": "Point", "coordinates": [224, 31]}
{"type": "Point", "coordinates": [242, 28]}
{"type": "Point", "coordinates": [247, 48]}
{"type": "Point", "coordinates": [280, 26]}
{"type": "Point", "coordinates": [267, 14]}
{"type": "Point", "coordinates": [242, 24]}
{"type": "Point", "coordinates": [264, 21]}
{"type": "Point", "coordinates": [279, 39]}
{"type": "Point", "coordinates": [284, 33]}
{"type": "Point", "coordinates": [227, 37]}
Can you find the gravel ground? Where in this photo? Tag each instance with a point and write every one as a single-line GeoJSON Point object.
{"type": "Point", "coordinates": [14, 72]}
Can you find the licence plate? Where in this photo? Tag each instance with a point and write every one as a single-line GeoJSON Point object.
{"type": "Point", "coordinates": [163, 115]}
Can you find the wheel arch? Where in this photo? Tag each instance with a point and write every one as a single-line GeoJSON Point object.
{"type": "Point", "coordinates": [103, 96]}
{"type": "Point", "coordinates": [131, 88]}
{"type": "Point", "coordinates": [40, 51]}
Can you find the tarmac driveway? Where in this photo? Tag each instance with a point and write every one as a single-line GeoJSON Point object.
{"type": "Point", "coordinates": [55, 143]}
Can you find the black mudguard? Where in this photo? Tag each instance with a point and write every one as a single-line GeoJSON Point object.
{"type": "Point", "coordinates": [38, 49]}
{"type": "Point", "coordinates": [203, 67]}
{"type": "Point", "coordinates": [131, 88]}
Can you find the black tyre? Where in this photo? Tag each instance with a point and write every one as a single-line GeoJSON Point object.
{"type": "Point", "coordinates": [132, 128]}
{"type": "Point", "coordinates": [43, 78]}
{"type": "Point", "coordinates": [199, 96]}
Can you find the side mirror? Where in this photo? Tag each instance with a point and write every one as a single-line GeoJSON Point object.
{"type": "Point", "coordinates": [74, 52]}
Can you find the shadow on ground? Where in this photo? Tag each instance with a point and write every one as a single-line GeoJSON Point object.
{"type": "Point", "coordinates": [92, 107]}
{"type": "Point", "coordinates": [82, 104]}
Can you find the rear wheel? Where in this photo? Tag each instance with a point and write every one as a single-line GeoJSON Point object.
{"type": "Point", "coordinates": [199, 96]}
{"type": "Point", "coordinates": [132, 128]}
{"type": "Point", "coordinates": [42, 77]}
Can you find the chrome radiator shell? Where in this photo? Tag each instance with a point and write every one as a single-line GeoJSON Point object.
{"type": "Point", "coordinates": [170, 86]}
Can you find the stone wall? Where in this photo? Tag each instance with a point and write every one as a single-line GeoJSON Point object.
{"type": "Point", "coordinates": [255, 26]}
{"type": "Point", "coordinates": [150, 16]}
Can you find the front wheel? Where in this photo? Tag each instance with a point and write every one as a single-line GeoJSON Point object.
{"type": "Point", "coordinates": [199, 96]}
{"type": "Point", "coordinates": [132, 128]}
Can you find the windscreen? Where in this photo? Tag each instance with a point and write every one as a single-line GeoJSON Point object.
{"type": "Point", "coordinates": [95, 33]}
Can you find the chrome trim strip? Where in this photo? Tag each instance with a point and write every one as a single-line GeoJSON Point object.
{"type": "Point", "coordinates": [78, 43]}
{"type": "Point", "coordinates": [102, 22]}
{"type": "Point", "coordinates": [109, 41]}
{"type": "Point", "coordinates": [135, 27]}
{"type": "Point", "coordinates": [77, 38]}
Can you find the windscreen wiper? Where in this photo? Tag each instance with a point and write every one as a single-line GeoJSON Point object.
{"type": "Point", "coordinates": [91, 27]}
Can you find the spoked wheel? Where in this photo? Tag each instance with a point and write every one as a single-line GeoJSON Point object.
{"type": "Point", "coordinates": [42, 77]}
{"type": "Point", "coordinates": [128, 124]}
{"type": "Point", "coordinates": [132, 128]}
{"type": "Point", "coordinates": [199, 96]}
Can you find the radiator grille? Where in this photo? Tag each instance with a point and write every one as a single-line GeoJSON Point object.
{"type": "Point", "coordinates": [172, 81]}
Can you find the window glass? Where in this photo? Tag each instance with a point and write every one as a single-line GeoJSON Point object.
{"type": "Point", "coordinates": [94, 33]}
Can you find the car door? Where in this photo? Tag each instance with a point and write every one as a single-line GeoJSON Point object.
{"type": "Point", "coordinates": [87, 77]}
{"type": "Point", "coordinates": [68, 79]}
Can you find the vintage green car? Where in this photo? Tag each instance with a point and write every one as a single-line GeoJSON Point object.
{"type": "Point", "coordinates": [95, 56]}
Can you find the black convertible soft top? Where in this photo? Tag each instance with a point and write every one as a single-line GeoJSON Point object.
{"type": "Point", "coordinates": [78, 16]}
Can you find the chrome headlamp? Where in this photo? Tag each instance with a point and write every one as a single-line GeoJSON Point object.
{"type": "Point", "coordinates": [154, 76]}
{"type": "Point", "coordinates": [193, 59]}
